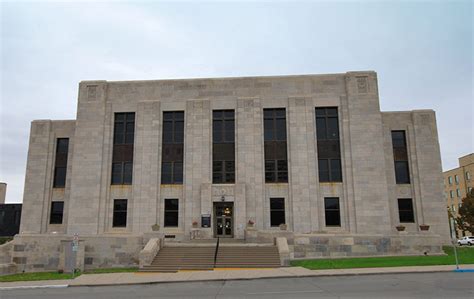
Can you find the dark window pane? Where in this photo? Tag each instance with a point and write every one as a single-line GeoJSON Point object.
{"type": "Point", "coordinates": [398, 139]}
{"type": "Point", "coordinates": [332, 212]}
{"type": "Point", "coordinates": [320, 111]}
{"type": "Point", "coordinates": [62, 146]}
{"type": "Point", "coordinates": [229, 136]}
{"type": "Point", "coordinates": [178, 173]}
{"type": "Point", "coordinates": [268, 113]}
{"type": "Point", "coordinates": [281, 129]}
{"type": "Point", "coordinates": [268, 127]}
{"type": "Point", "coordinates": [166, 172]}
{"type": "Point", "coordinates": [321, 128]}
{"type": "Point", "coordinates": [167, 132]}
{"type": "Point", "coordinates": [171, 212]}
{"type": "Point", "coordinates": [229, 166]}
{"type": "Point", "coordinates": [130, 116]}
{"type": "Point", "coordinates": [331, 111]}
{"type": "Point", "coordinates": [59, 177]}
{"type": "Point", "coordinates": [217, 178]}
{"type": "Point", "coordinates": [229, 177]}
{"type": "Point", "coordinates": [217, 166]}
{"type": "Point", "coordinates": [282, 165]}
{"type": "Point", "coordinates": [333, 128]}
{"type": "Point", "coordinates": [179, 135]}
{"type": "Point", "coordinates": [171, 204]}
{"type": "Point", "coordinates": [127, 173]}
{"type": "Point", "coordinates": [270, 165]}
{"type": "Point", "coordinates": [277, 211]}
{"type": "Point", "coordinates": [179, 115]}
{"type": "Point", "coordinates": [270, 177]}
{"type": "Point", "coordinates": [57, 209]}
{"type": "Point", "coordinates": [129, 138]}
{"type": "Point", "coordinates": [401, 172]}
{"type": "Point", "coordinates": [120, 213]}
{"type": "Point", "coordinates": [217, 114]}
{"type": "Point", "coordinates": [323, 167]}
{"type": "Point", "coordinates": [336, 170]}
{"type": "Point", "coordinates": [277, 203]}
{"type": "Point", "coordinates": [119, 116]}
{"type": "Point", "coordinates": [116, 173]}
{"type": "Point", "coordinates": [405, 210]}
{"type": "Point", "coordinates": [282, 177]}
{"type": "Point", "coordinates": [280, 113]}
{"type": "Point", "coordinates": [229, 114]}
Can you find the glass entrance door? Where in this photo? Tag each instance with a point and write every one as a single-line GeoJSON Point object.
{"type": "Point", "coordinates": [224, 222]}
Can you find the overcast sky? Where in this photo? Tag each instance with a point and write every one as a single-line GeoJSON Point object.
{"type": "Point", "coordinates": [422, 52]}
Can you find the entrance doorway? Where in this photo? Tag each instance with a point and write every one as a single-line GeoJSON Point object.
{"type": "Point", "coordinates": [224, 219]}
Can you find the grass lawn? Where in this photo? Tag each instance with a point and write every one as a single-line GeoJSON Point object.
{"type": "Point", "coordinates": [36, 276]}
{"type": "Point", "coordinates": [110, 270]}
{"type": "Point", "coordinates": [57, 276]}
{"type": "Point", "coordinates": [465, 256]}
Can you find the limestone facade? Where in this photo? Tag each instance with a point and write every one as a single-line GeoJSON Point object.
{"type": "Point", "coordinates": [367, 195]}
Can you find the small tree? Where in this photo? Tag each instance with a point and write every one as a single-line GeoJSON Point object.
{"type": "Point", "coordinates": [465, 220]}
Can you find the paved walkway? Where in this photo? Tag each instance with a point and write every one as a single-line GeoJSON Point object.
{"type": "Point", "coordinates": [216, 275]}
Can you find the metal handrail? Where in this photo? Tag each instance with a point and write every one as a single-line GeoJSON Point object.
{"type": "Point", "coordinates": [215, 252]}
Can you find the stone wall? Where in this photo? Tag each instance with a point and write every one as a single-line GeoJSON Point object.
{"type": "Point", "coordinates": [35, 253]}
{"type": "Point", "coordinates": [318, 246]}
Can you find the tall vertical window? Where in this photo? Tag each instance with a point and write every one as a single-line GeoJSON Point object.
{"type": "Point", "coordinates": [450, 180]}
{"type": "Point", "coordinates": [171, 212]}
{"type": "Point", "coordinates": [122, 156]}
{"type": "Point", "coordinates": [456, 179]}
{"type": "Point", "coordinates": [277, 211]}
{"type": "Point", "coordinates": [400, 156]}
{"type": "Point", "coordinates": [405, 210]}
{"type": "Point", "coordinates": [468, 175]}
{"type": "Point", "coordinates": [172, 152]}
{"type": "Point", "coordinates": [60, 164]}
{"type": "Point", "coordinates": [458, 192]}
{"type": "Point", "coordinates": [276, 161]}
{"type": "Point", "coordinates": [329, 150]}
{"type": "Point", "coordinates": [332, 211]}
{"type": "Point", "coordinates": [120, 213]}
{"type": "Point", "coordinates": [56, 215]}
{"type": "Point", "coordinates": [223, 146]}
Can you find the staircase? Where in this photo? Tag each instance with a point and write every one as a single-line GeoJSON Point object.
{"type": "Point", "coordinates": [248, 257]}
{"type": "Point", "coordinates": [172, 259]}
{"type": "Point", "coordinates": [186, 257]}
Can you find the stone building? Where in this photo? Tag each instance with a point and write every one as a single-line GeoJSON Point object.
{"type": "Point", "coordinates": [310, 158]}
{"type": "Point", "coordinates": [458, 182]}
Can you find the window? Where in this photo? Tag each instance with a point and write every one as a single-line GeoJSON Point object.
{"type": "Point", "coordinates": [456, 179]}
{"type": "Point", "coordinates": [122, 173]}
{"type": "Point", "coordinates": [57, 208]}
{"type": "Point", "coordinates": [223, 146]}
{"type": "Point", "coordinates": [171, 212]}
{"type": "Point", "coordinates": [277, 211]}
{"type": "Point", "coordinates": [172, 173]}
{"type": "Point", "coordinates": [329, 170]}
{"type": "Point", "coordinates": [172, 152]}
{"type": "Point", "coordinates": [400, 156]}
{"type": "Point", "coordinates": [60, 165]}
{"type": "Point", "coordinates": [332, 212]}
{"type": "Point", "coordinates": [276, 161]}
{"type": "Point", "coordinates": [122, 155]}
{"type": "Point", "coordinates": [450, 180]}
{"type": "Point", "coordinates": [458, 192]}
{"type": "Point", "coordinates": [120, 213]}
{"type": "Point", "coordinates": [173, 127]}
{"type": "Point", "coordinates": [451, 194]}
{"type": "Point", "coordinates": [469, 189]}
{"type": "Point", "coordinates": [468, 175]}
{"type": "Point", "coordinates": [124, 128]}
{"type": "Point", "coordinates": [329, 152]}
{"type": "Point", "coordinates": [405, 210]}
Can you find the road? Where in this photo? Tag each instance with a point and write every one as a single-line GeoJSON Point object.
{"type": "Point", "coordinates": [423, 285]}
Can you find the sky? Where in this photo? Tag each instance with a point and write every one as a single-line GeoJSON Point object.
{"type": "Point", "coordinates": [422, 52]}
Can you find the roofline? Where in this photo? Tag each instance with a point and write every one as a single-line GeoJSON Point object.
{"type": "Point", "coordinates": [233, 78]}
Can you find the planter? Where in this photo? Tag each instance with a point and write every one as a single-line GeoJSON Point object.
{"type": "Point", "coordinates": [400, 228]}
{"type": "Point", "coordinates": [283, 226]}
{"type": "Point", "coordinates": [155, 227]}
{"type": "Point", "coordinates": [424, 227]}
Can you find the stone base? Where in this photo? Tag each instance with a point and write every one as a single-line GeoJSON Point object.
{"type": "Point", "coordinates": [327, 245]}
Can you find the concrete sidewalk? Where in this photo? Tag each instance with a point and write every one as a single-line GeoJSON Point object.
{"type": "Point", "coordinates": [217, 275]}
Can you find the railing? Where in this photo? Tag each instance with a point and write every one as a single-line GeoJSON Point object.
{"type": "Point", "coordinates": [215, 252]}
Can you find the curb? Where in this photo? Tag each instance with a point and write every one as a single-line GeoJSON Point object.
{"type": "Point", "coordinates": [264, 277]}
{"type": "Point", "coordinates": [58, 286]}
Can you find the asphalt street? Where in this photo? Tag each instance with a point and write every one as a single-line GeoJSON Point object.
{"type": "Point", "coordinates": [423, 285]}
